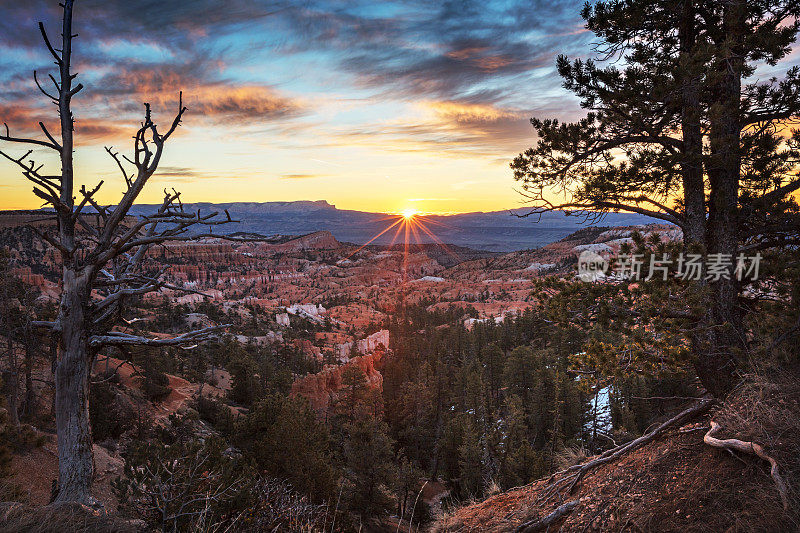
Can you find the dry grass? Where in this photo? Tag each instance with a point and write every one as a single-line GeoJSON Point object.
{"type": "Point", "coordinates": [447, 517]}
{"type": "Point", "coordinates": [18, 518]}
{"type": "Point", "coordinates": [571, 455]}
{"type": "Point", "coordinates": [766, 410]}
{"type": "Point", "coordinates": [492, 488]}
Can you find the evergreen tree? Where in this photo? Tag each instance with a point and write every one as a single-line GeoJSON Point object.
{"type": "Point", "coordinates": [492, 357]}
{"type": "Point", "coordinates": [245, 385]}
{"type": "Point", "coordinates": [470, 455]}
{"type": "Point", "coordinates": [369, 467]}
{"type": "Point", "coordinates": [284, 438]}
{"type": "Point", "coordinates": [520, 462]}
{"type": "Point", "coordinates": [675, 133]}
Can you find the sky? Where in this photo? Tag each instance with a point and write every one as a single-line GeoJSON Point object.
{"type": "Point", "coordinates": [376, 106]}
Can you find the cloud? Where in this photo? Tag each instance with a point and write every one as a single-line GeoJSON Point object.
{"type": "Point", "coordinates": [20, 116]}
{"type": "Point", "coordinates": [96, 129]}
{"type": "Point", "coordinates": [244, 103]}
{"type": "Point", "coordinates": [186, 174]}
{"type": "Point", "coordinates": [23, 120]}
{"type": "Point", "coordinates": [454, 128]}
{"type": "Point", "coordinates": [177, 172]}
{"type": "Point", "coordinates": [120, 97]}
{"type": "Point", "coordinates": [450, 50]}
{"type": "Point", "coordinates": [299, 176]}
{"type": "Point", "coordinates": [478, 67]}
{"type": "Point", "coordinates": [222, 101]}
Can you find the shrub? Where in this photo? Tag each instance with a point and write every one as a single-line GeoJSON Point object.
{"type": "Point", "coordinates": [216, 413]}
{"type": "Point", "coordinates": [186, 486]}
{"type": "Point", "coordinates": [277, 507]}
{"type": "Point", "coordinates": [155, 385]}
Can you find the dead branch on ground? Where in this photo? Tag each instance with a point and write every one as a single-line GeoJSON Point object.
{"type": "Point", "coordinates": [570, 477]}
{"type": "Point", "coordinates": [544, 523]}
{"type": "Point", "coordinates": [751, 448]}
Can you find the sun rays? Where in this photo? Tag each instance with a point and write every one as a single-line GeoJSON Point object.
{"type": "Point", "coordinates": [410, 228]}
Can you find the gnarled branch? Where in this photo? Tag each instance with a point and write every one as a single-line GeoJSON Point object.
{"type": "Point", "coordinates": [753, 449]}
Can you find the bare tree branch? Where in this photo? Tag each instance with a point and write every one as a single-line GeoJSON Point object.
{"type": "Point", "coordinates": [115, 338]}
{"type": "Point", "coordinates": [52, 144]}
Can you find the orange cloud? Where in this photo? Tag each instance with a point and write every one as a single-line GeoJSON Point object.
{"type": "Point", "coordinates": [242, 102]}
{"type": "Point", "coordinates": [492, 63]}
{"type": "Point", "coordinates": [466, 53]}
{"type": "Point", "coordinates": [477, 56]}
{"type": "Point", "coordinates": [299, 176]}
{"type": "Point", "coordinates": [465, 112]}
{"type": "Point", "coordinates": [217, 100]}
{"type": "Point", "coordinates": [23, 121]}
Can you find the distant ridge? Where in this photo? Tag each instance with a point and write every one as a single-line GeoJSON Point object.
{"type": "Point", "coordinates": [494, 231]}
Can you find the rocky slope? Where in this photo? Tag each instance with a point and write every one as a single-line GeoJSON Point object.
{"type": "Point", "coordinates": [676, 483]}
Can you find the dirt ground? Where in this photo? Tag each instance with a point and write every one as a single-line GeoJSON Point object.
{"type": "Point", "coordinates": [35, 471]}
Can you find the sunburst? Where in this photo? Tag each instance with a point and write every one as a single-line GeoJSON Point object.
{"type": "Point", "coordinates": [413, 226]}
{"type": "Point", "coordinates": [409, 214]}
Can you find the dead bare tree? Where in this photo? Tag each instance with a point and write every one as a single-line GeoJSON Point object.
{"type": "Point", "coordinates": [101, 250]}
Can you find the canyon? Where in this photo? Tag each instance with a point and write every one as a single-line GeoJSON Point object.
{"type": "Point", "coordinates": [346, 290]}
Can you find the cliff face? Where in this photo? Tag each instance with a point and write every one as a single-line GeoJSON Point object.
{"type": "Point", "coordinates": [323, 388]}
{"type": "Point", "coordinates": [209, 261]}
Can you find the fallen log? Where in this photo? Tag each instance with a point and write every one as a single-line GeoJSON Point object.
{"type": "Point", "coordinates": [753, 449]}
{"type": "Point", "coordinates": [699, 408]}
{"type": "Point", "coordinates": [533, 526]}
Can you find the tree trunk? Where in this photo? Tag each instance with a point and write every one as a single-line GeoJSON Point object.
{"type": "Point", "coordinates": [71, 375]}
{"type": "Point", "coordinates": [75, 459]}
{"type": "Point", "coordinates": [716, 365]}
{"type": "Point", "coordinates": [692, 165]}
{"type": "Point", "coordinates": [30, 394]}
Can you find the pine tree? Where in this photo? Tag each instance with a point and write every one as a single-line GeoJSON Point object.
{"type": "Point", "coordinates": [369, 467]}
{"type": "Point", "coordinates": [675, 133]}
{"type": "Point", "coordinates": [354, 395]}
{"type": "Point", "coordinates": [470, 463]}
{"type": "Point", "coordinates": [520, 462]}
{"type": "Point", "coordinates": [285, 439]}
{"type": "Point", "coordinates": [492, 357]}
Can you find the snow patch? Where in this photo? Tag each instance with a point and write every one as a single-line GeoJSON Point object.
{"type": "Point", "coordinates": [430, 278]}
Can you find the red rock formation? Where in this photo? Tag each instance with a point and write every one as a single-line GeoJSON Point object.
{"type": "Point", "coordinates": [322, 389]}
{"type": "Point", "coordinates": [26, 276]}
{"type": "Point", "coordinates": [308, 349]}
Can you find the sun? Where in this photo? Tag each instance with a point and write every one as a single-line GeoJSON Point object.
{"type": "Point", "coordinates": [408, 214]}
